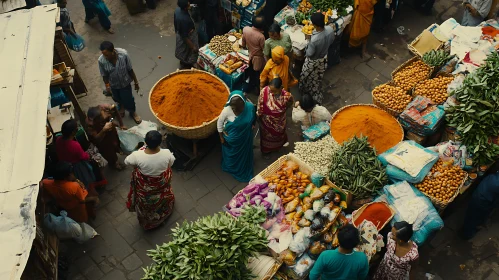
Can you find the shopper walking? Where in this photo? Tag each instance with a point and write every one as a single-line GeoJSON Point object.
{"type": "Point", "coordinates": [360, 27]}
{"type": "Point", "coordinates": [186, 46]}
{"type": "Point", "coordinates": [101, 131]}
{"type": "Point", "coordinates": [116, 70]}
{"type": "Point", "coordinates": [235, 127]}
{"type": "Point", "coordinates": [254, 40]}
{"type": "Point", "coordinates": [400, 256]}
{"type": "Point", "coordinates": [73, 40]}
{"type": "Point", "coordinates": [316, 58]}
{"type": "Point", "coordinates": [344, 262]}
{"type": "Point", "coordinates": [482, 202]}
{"type": "Point", "coordinates": [273, 103]}
{"type": "Point", "coordinates": [98, 8]}
{"type": "Point", "coordinates": [475, 12]}
{"type": "Point", "coordinates": [151, 194]}
{"type": "Point", "coordinates": [278, 67]}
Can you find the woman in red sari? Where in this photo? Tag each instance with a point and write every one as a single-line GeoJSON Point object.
{"type": "Point", "coordinates": [150, 193]}
{"type": "Point", "coordinates": [272, 105]}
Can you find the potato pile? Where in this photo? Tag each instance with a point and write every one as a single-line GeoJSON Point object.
{"type": "Point", "coordinates": [435, 89]}
{"type": "Point", "coordinates": [412, 74]}
{"type": "Point", "coordinates": [392, 97]}
{"type": "Point", "coordinates": [442, 182]}
{"type": "Point", "coordinates": [220, 45]}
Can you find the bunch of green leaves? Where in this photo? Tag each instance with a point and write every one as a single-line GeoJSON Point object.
{"type": "Point", "coordinates": [356, 168]}
{"type": "Point", "coordinates": [476, 117]}
{"type": "Point", "coordinates": [436, 58]}
{"type": "Point", "coordinates": [213, 247]}
{"type": "Point", "coordinates": [253, 214]}
{"type": "Point", "coordinates": [338, 5]}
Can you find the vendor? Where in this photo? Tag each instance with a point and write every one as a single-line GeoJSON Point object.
{"type": "Point", "coordinates": [278, 66]}
{"type": "Point", "coordinates": [482, 202]}
{"type": "Point", "coordinates": [475, 12]}
{"type": "Point", "coordinates": [309, 113]}
{"type": "Point", "coordinates": [316, 58]}
{"type": "Point", "coordinates": [277, 38]}
{"type": "Point", "coordinates": [344, 262]}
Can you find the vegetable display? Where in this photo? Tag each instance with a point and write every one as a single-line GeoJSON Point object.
{"type": "Point", "coordinates": [392, 97]}
{"type": "Point", "coordinates": [339, 5]}
{"type": "Point", "coordinates": [317, 154]}
{"type": "Point", "coordinates": [308, 27]}
{"type": "Point", "coordinates": [220, 45]}
{"type": "Point", "coordinates": [442, 182]}
{"type": "Point", "coordinates": [253, 214]}
{"type": "Point", "coordinates": [476, 118]}
{"type": "Point", "coordinates": [356, 168]}
{"type": "Point", "coordinates": [254, 194]}
{"type": "Point", "coordinates": [436, 58]}
{"type": "Point", "coordinates": [435, 89]}
{"type": "Point", "coordinates": [213, 247]}
{"type": "Point", "coordinates": [411, 74]}
{"type": "Point", "coordinates": [304, 6]}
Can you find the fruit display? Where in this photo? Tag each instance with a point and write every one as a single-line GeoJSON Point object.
{"type": "Point", "coordinates": [220, 45]}
{"type": "Point", "coordinates": [436, 58]}
{"type": "Point", "coordinates": [304, 6]}
{"type": "Point", "coordinates": [435, 89]}
{"type": "Point", "coordinates": [442, 182]}
{"type": "Point", "coordinates": [411, 74]}
{"type": "Point", "coordinates": [392, 97]}
{"type": "Point", "coordinates": [308, 27]}
{"type": "Point", "coordinates": [327, 15]}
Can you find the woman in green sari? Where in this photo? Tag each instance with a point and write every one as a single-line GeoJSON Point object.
{"type": "Point", "coordinates": [235, 126]}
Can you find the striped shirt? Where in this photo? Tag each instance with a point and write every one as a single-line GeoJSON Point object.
{"type": "Point", "coordinates": [117, 74]}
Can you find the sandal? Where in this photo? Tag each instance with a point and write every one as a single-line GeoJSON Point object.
{"type": "Point", "coordinates": [136, 118]}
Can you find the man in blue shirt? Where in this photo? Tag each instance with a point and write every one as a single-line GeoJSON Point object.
{"type": "Point", "coordinates": [482, 202]}
{"type": "Point", "coordinates": [342, 263]}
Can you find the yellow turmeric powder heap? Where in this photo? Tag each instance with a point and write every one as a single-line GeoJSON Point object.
{"type": "Point", "coordinates": [382, 130]}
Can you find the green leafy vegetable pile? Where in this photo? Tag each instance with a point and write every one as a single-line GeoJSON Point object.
{"type": "Point", "coordinates": [338, 5]}
{"type": "Point", "coordinates": [436, 58]}
{"type": "Point", "coordinates": [213, 247]}
{"type": "Point", "coordinates": [476, 117]}
{"type": "Point", "coordinates": [356, 168]}
{"type": "Point", "coordinates": [253, 214]}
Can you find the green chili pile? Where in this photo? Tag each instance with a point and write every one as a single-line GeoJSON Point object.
{"type": "Point", "coordinates": [356, 168]}
{"type": "Point", "coordinates": [476, 117]}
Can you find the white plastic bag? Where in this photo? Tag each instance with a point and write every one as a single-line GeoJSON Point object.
{"type": "Point", "coordinates": [301, 241]}
{"type": "Point", "coordinates": [129, 140]}
{"type": "Point", "coordinates": [143, 128]}
{"type": "Point", "coordinates": [66, 228]}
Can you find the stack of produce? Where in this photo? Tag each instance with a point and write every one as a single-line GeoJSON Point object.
{"type": "Point", "coordinates": [188, 99]}
{"type": "Point", "coordinates": [304, 6]}
{"type": "Point", "coordinates": [231, 64]}
{"type": "Point", "coordinates": [442, 182]}
{"type": "Point", "coordinates": [339, 5]}
{"type": "Point", "coordinates": [435, 89]}
{"type": "Point", "coordinates": [216, 247]}
{"type": "Point", "coordinates": [220, 45]}
{"type": "Point", "coordinates": [317, 154]}
{"type": "Point", "coordinates": [411, 74]}
{"type": "Point", "coordinates": [436, 58]}
{"type": "Point", "coordinates": [382, 130]}
{"type": "Point", "coordinates": [254, 195]}
{"type": "Point", "coordinates": [392, 97]}
{"type": "Point", "coordinates": [476, 118]}
{"type": "Point", "coordinates": [308, 27]}
{"type": "Point", "coordinates": [356, 168]}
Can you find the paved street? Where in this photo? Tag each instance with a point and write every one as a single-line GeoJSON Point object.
{"type": "Point", "coordinates": [120, 250]}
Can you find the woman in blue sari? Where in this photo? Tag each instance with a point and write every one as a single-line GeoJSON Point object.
{"type": "Point", "coordinates": [98, 8]}
{"type": "Point", "coordinates": [73, 40]}
{"type": "Point", "coordinates": [235, 126]}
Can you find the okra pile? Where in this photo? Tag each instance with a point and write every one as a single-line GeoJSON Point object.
{"type": "Point", "coordinates": [356, 168]}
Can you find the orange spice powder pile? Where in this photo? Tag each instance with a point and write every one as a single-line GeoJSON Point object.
{"type": "Point", "coordinates": [189, 99]}
{"type": "Point", "coordinates": [382, 130]}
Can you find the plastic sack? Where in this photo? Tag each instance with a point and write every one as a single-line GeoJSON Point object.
{"type": "Point", "coordinates": [66, 228]}
{"type": "Point", "coordinates": [143, 128]}
{"type": "Point", "coordinates": [451, 153]}
{"type": "Point", "coordinates": [403, 197]}
{"type": "Point", "coordinates": [129, 141]}
{"type": "Point", "coordinates": [396, 174]}
{"type": "Point", "coordinates": [422, 116]}
{"type": "Point", "coordinates": [303, 265]}
{"type": "Point", "coordinates": [316, 131]}
{"type": "Point", "coordinates": [300, 241]}
{"type": "Point", "coordinates": [317, 179]}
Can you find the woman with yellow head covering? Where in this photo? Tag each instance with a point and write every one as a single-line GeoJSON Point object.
{"type": "Point", "coordinates": [278, 66]}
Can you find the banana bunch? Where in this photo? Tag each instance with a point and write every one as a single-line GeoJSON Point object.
{"type": "Point", "coordinates": [436, 58]}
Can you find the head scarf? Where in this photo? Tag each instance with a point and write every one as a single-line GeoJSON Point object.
{"type": "Point", "coordinates": [233, 94]}
{"type": "Point", "coordinates": [278, 53]}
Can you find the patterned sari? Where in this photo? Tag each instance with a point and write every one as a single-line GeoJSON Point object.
{"type": "Point", "coordinates": [151, 197]}
{"type": "Point", "coordinates": [311, 78]}
{"type": "Point", "coordinates": [272, 112]}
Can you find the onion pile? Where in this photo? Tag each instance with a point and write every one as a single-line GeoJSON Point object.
{"type": "Point", "coordinates": [435, 89]}
{"type": "Point", "coordinates": [442, 182]}
{"type": "Point", "coordinates": [412, 74]}
{"type": "Point", "coordinates": [392, 97]}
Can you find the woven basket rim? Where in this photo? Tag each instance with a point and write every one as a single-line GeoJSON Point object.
{"type": "Point", "coordinates": [185, 71]}
{"type": "Point", "coordinates": [443, 204]}
{"type": "Point", "coordinates": [386, 108]}
{"type": "Point", "coordinates": [363, 207]}
{"type": "Point", "coordinates": [371, 105]}
{"type": "Point", "coordinates": [413, 49]}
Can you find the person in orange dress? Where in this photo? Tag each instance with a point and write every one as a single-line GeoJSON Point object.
{"type": "Point", "coordinates": [360, 27]}
{"type": "Point", "coordinates": [70, 194]}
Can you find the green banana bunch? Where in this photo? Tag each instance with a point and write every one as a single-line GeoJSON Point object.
{"type": "Point", "coordinates": [436, 58]}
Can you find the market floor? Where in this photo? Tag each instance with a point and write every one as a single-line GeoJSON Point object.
{"type": "Point", "coordinates": [120, 250]}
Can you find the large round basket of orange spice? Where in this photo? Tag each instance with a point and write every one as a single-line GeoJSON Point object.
{"type": "Point", "coordinates": [188, 102]}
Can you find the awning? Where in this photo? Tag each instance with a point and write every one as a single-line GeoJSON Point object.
{"type": "Point", "coordinates": [26, 53]}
